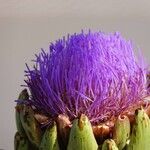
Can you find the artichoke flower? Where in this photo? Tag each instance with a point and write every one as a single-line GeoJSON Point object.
{"type": "Point", "coordinates": [88, 92]}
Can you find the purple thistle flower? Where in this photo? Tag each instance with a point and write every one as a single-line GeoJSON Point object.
{"type": "Point", "coordinates": [92, 73]}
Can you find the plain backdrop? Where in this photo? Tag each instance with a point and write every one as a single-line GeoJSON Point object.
{"type": "Point", "coordinates": [28, 25]}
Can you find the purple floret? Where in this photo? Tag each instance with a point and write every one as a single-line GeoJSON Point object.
{"type": "Point", "coordinates": [92, 73]}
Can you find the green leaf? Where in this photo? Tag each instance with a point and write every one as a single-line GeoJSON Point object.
{"type": "Point", "coordinates": [140, 136]}
{"type": "Point", "coordinates": [121, 131]}
{"type": "Point", "coordinates": [20, 142]}
{"type": "Point", "coordinates": [22, 96]}
{"type": "Point", "coordinates": [30, 125]}
{"type": "Point", "coordinates": [109, 144]}
{"type": "Point", "coordinates": [49, 140]}
{"type": "Point", "coordinates": [81, 135]}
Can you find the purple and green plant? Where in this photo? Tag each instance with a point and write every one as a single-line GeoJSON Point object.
{"type": "Point", "coordinates": [88, 92]}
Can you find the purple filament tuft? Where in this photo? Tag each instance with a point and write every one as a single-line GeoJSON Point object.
{"type": "Point", "coordinates": [92, 73]}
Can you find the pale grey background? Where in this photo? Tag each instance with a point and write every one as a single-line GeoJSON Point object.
{"type": "Point", "coordinates": [28, 25]}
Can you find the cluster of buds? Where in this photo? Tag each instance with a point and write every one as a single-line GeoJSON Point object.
{"type": "Point", "coordinates": [88, 93]}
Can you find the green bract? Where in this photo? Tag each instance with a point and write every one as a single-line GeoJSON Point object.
{"type": "Point", "coordinates": [49, 140]}
{"type": "Point", "coordinates": [81, 135]}
{"type": "Point", "coordinates": [140, 136]}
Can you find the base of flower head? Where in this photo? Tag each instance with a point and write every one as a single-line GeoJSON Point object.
{"type": "Point", "coordinates": [63, 134]}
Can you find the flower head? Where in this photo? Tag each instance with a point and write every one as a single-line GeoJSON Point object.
{"type": "Point", "coordinates": [92, 73]}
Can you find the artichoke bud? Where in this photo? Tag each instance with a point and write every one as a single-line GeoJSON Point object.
{"type": "Point", "coordinates": [121, 131]}
{"type": "Point", "coordinates": [140, 135]}
{"type": "Point", "coordinates": [96, 73]}
{"type": "Point", "coordinates": [109, 144]}
{"type": "Point", "coordinates": [23, 96]}
{"type": "Point", "coordinates": [30, 125]}
{"type": "Point", "coordinates": [21, 143]}
{"type": "Point", "coordinates": [49, 140]}
{"type": "Point", "coordinates": [81, 135]}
